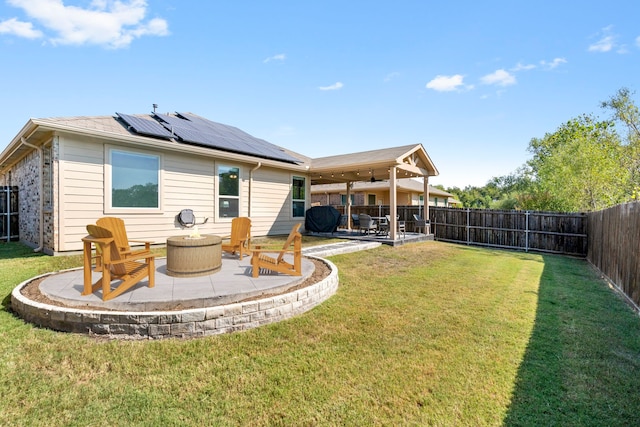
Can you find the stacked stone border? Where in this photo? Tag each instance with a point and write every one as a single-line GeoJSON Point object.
{"type": "Point", "coordinates": [191, 323]}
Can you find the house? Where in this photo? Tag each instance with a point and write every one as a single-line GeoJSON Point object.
{"type": "Point", "coordinates": [147, 168]}
{"type": "Point", "coordinates": [409, 192]}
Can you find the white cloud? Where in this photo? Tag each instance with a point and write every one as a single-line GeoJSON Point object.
{"type": "Point", "coordinates": [109, 23]}
{"type": "Point", "coordinates": [523, 67]}
{"type": "Point", "coordinates": [20, 29]}
{"type": "Point", "coordinates": [606, 42]}
{"type": "Point", "coordinates": [553, 64]}
{"type": "Point", "coordinates": [335, 86]}
{"type": "Point", "coordinates": [500, 78]}
{"type": "Point", "coordinates": [278, 57]}
{"type": "Point", "coordinates": [446, 83]}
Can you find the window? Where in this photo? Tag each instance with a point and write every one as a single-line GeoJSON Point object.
{"type": "Point", "coordinates": [298, 198]}
{"type": "Point", "coordinates": [228, 191]}
{"type": "Point", "coordinates": [371, 199]}
{"type": "Point", "coordinates": [343, 199]}
{"type": "Point", "coordinates": [134, 179]}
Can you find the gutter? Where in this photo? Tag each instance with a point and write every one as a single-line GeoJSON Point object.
{"type": "Point", "coordinates": [41, 193]}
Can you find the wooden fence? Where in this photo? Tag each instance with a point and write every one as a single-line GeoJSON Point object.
{"type": "Point", "coordinates": [553, 232]}
{"type": "Point", "coordinates": [614, 247]}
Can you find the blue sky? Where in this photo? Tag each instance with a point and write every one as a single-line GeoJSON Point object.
{"type": "Point", "coordinates": [471, 81]}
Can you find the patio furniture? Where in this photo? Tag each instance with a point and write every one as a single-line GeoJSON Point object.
{"type": "Point", "coordinates": [355, 219]}
{"type": "Point", "coordinates": [344, 222]}
{"type": "Point", "coordinates": [240, 239]}
{"type": "Point", "coordinates": [260, 260]}
{"type": "Point", "coordinates": [384, 224]}
{"type": "Point", "coordinates": [420, 223]}
{"type": "Point", "coordinates": [400, 225]}
{"type": "Point", "coordinates": [367, 224]}
{"type": "Point", "coordinates": [189, 256]}
{"type": "Point", "coordinates": [119, 231]}
{"type": "Point", "coordinates": [115, 264]}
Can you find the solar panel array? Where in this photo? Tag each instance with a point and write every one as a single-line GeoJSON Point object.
{"type": "Point", "coordinates": [145, 127]}
{"type": "Point", "coordinates": [190, 129]}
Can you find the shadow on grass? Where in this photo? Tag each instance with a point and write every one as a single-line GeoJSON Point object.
{"type": "Point", "coordinates": [14, 250]}
{"type": "Point", "coordinates": [582, 363]}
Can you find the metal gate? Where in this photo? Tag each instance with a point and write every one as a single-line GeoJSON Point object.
{"type": "Point", "coordinates": [9, 214]}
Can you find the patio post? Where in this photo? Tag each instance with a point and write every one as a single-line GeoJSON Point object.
{"type": "Point", "coordinates": [393, 202]}
{"type": "Point", "coordinates": [348, 205]}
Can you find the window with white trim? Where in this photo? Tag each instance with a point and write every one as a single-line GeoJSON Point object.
{"type": "Point", "coordinates": [298, 196]}
{"type": "Point", "coordinates": [134, 180]}
{"type": "Point", "coordinates": [228, 191]}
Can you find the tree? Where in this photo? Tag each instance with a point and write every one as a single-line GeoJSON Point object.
{"type": "Point", "coordinates": [580, 167]}
{"type": "Point", "coordinates": [626, 112]}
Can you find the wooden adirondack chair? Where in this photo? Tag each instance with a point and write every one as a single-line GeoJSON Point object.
{"type": "Point", "coordinates": [240, 239]}
{"type": "Point", "coordinates": [114, 264]}
{"type": "Point", "coordinates": [261, 260]}
{"type": "Point", "coordinates": [117, 228]}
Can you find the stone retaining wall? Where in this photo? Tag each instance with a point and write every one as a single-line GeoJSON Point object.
{"type": "Point", "coordinates": [190, 323]}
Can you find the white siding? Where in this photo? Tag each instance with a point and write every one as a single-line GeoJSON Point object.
{"type": "Point", "coordinates": [187, 182]}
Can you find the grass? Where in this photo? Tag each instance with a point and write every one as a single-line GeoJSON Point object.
{"type": "Point", "coordinates": [423, 334]}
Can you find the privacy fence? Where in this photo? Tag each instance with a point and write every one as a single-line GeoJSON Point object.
{"type": "Point", "coordinates": [614, 247]}
{"type": "Point", "coordinates": [552, 232]}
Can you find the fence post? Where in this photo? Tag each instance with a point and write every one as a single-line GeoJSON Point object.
{"type": "Point", "coordinates": [526, 231]}
{"type": "Point", "coordinates": [468, 233]}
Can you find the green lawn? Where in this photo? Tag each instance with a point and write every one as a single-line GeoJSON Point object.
{"type": "Point", "coordinates": [423, 334]}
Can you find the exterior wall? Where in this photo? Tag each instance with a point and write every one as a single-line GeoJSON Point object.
{"type": "Point", "coordinates": [24, 175]}
{"type": "Point", "coordinates": [187, 182]}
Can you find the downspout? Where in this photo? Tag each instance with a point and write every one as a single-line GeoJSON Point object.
{"type": "Point", "coordinates": [258, 166]}
{"type": "Point", "coordinates": [41, 222]}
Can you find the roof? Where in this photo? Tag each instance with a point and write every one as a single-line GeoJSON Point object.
{"type": "Point", "coordinates": [39, 131]}
{"type": "Point", "coordinates": [406, 184]}
{"type": "Point", "coordinates": [409, 160]}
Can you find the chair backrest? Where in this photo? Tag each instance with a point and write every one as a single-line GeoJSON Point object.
{"type": "Point", "coordinates": [117, 229]}
{"type": "Point", "coordinates": [240, 230]}
{"type": "Point", "coordinates": [114, 251]}
{"type": "Point", "coordinates": [365, 220]}
{"type": "Point", "coordinates": [294, 237]}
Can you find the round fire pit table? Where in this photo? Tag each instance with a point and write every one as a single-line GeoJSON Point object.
{"type": "Point", "coordinates": [193, 256]}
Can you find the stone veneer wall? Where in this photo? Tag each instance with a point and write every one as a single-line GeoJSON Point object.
{"type": "Point", "coordinates": [24, 175]}
{"type": "Point", "coordinates": [190, 323]}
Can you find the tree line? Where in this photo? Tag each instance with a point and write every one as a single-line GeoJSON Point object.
{"type": "Point", "coordinates": [586, 164]}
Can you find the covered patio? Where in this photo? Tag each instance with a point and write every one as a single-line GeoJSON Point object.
{"type": "Point", "coordinates": [388, 164]}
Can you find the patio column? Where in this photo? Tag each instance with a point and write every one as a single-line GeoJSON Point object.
{"type": "Point", "coordinates": [348, 209]}
{"type": "Point", "coordinates": [393, 202]}
{"type": "Point", "coordinates": [426, 199]}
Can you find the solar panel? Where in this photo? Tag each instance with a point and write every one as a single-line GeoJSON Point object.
{"type": "Point", "coordinates": [239, 140]}
{"type": "Point", "coordinates": [191, 129]}
{"type": "Point", "coordinates": [145, 126]}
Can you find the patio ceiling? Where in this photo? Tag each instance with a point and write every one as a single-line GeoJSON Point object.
{"type": "Point", "coordinates": [410, 161]}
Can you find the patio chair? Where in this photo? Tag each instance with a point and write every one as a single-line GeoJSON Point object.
{"type": "Point", "coordinates": [260, 260]}
{"type": "Point", "coordinates": [355, 220]}
{"type": "Point", "coordinates": [240, 239]}
{"type": "Point", "coordinates": [420, 223]}
{"type": "Point", "coordinates": [115, 264]}
{"type": "Point", "coordinates": [117, 228]}
{"type": "Point", "coordinates": [367, 224]}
